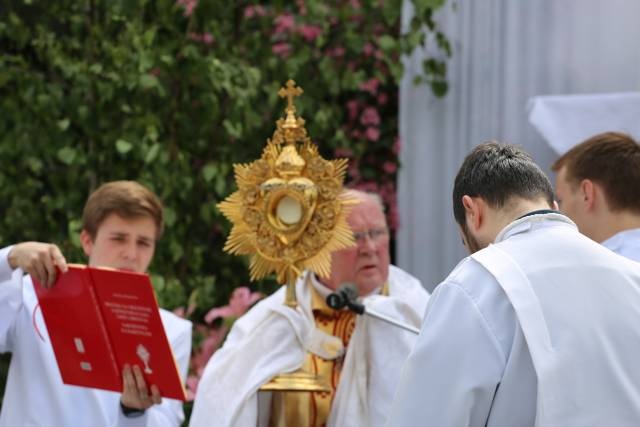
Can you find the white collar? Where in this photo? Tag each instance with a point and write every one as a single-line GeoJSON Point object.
{"type": "Point", "coordinates": [616, 241]}
{"type": "Point", "coordinates": [318, 286]}
{"type": "Point", "coordinates": [529, 222]}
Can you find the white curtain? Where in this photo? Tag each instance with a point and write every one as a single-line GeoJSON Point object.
{"type": "Point", "coordinates": [505, 51]}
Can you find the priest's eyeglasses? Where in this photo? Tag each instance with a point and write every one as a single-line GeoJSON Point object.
{"type": "Point", "coordinates": [374, 234]}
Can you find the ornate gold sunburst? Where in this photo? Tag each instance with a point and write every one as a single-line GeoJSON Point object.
{"type": "Point", "coordinates": [289, 212]}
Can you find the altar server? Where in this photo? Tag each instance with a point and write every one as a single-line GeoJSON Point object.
{"type": "Point", "coordinates": [121, 222]}
{"type": "Point", "coordinates": [598, 187]}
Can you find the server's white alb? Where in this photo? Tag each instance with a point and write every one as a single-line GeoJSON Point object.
{"type": "Point", "coordinates": [540, 328]}
{"type": "Point", "coordinates": [625, 243]}
{"type": "Point", "coordinates": [35, 394]}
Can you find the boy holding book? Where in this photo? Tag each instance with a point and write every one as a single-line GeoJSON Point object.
{"type": "Point", "coordinates": [121, 223]}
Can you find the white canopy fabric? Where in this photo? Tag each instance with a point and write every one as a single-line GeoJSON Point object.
{"type": "Point", "coordinates": [566, 120]}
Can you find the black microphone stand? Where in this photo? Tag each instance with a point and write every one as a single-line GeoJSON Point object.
{"type": "Point", "coordinates": [360, 309]}
{"type": "Point", "coordinates": [346, 296]}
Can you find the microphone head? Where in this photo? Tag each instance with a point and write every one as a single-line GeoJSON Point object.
{"type": "Point", "coordinates": [342, 296]}
{"type": "Point", "coordinates": [350, 291]}
{"type": "Point", "coordinates": [336, 301]}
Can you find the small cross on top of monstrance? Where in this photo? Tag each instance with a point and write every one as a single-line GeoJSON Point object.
{"type": "Point", "coordinates": [289, 92]}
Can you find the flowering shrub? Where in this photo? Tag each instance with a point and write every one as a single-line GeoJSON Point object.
{"type": "Point", "coordinates": [346, 55]}
{"type": "Point", "coordinates": [208, 336]}
{"type": "Point", "coordinates": [172, 93]}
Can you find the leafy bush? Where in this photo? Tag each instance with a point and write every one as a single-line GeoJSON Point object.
{"type": "Point", "coordinates": [172, 93]}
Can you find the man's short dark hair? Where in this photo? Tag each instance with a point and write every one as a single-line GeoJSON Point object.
{"type": "Point", "coordinates": [497, 173]}
{"type": "Point", "coordinates": [610, 159]}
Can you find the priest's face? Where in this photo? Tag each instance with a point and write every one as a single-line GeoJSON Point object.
{"type": "Point", "coordinates": [367, 263]}
{"type": "Point", "coordinates": [121, 243]}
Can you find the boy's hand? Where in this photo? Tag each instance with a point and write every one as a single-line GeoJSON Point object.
{"type": "Point", "coordinates": [135, 393]}
{"type": "Point", "coordinates": [39, 260]}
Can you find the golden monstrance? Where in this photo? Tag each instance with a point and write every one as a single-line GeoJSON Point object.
{"type": "Point", "coordinates": [288, 215]}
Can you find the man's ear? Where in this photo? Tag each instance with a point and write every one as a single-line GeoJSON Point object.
{"type": "Point", "coordinates": [87, 242]}
{"type": "Point", "coordinates": [473, 211]}
{"type": "Point", "coordinates": [588, 190]}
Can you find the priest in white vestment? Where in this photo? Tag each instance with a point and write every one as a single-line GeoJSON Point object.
{"type": "Point", "coordinates": [598, 187]}
{"type": "Point", "coordinates": [359, 356]}
{"type": "Point", "coordinates": [538, 327]}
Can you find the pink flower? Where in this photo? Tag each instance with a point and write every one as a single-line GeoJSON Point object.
{"type": "Point", "coordinates": [389, 167]}
{"type": "Point", "coordinates": [281, 49]}
{"type": "Point", "coordinates": [379, 29]}
{"type": "Point", "coordinates": [355, 134]}
{"type": "Point", "coordinates": [206, 38]}
{"type": "Point", "coordinates": [251, 11]}
{"type": "Point", "coordinates": [336, 52]}
{"type": "Point", "coordinates": [382, 99]}
{"type": "Point", "coordinates": [355, 4]}
{"type": "Point", "coordinates": [192, 386]}
{"type": "Point", "coordinates": [367, 49]}
{"type": "Point", "coordinates": [241, 299]}
{"type": "Point", "coordinates": [393, 217]}
{"type": "Point", "coordinates": [284, 23]}
{"type": "Point", "coordinates": [343, 152]}
{"type": "Point", "coordinates": [354, 170]}
{"type": "Point", "coordinates": [367, 186]}
{"type": "Point", "coordinates": [354, 173]}
{"type": "Point", "coordinates": [397, 146]}
{"type": "Point", "coordinates": [370, 116]}
{"type": "Point", "coordinates": [188, 5]}
{"type": "Point", "coordinates": [372, 134]}
{"type": "Point", "coordinates": [353, 107]}
{"type": "Point", "coordinates": [309, 32]}
{"type": "Point", "coordinates": [370, 86]}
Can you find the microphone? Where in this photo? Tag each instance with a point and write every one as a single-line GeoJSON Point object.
{"type": "Point", "coordinates": [347, 296]}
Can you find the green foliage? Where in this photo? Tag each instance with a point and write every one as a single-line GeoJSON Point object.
{"type": "Point", "coordinates": [172, 93]}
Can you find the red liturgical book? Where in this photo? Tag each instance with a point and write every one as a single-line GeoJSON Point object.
{"type": "Point", "coordinates": [100, 319]}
